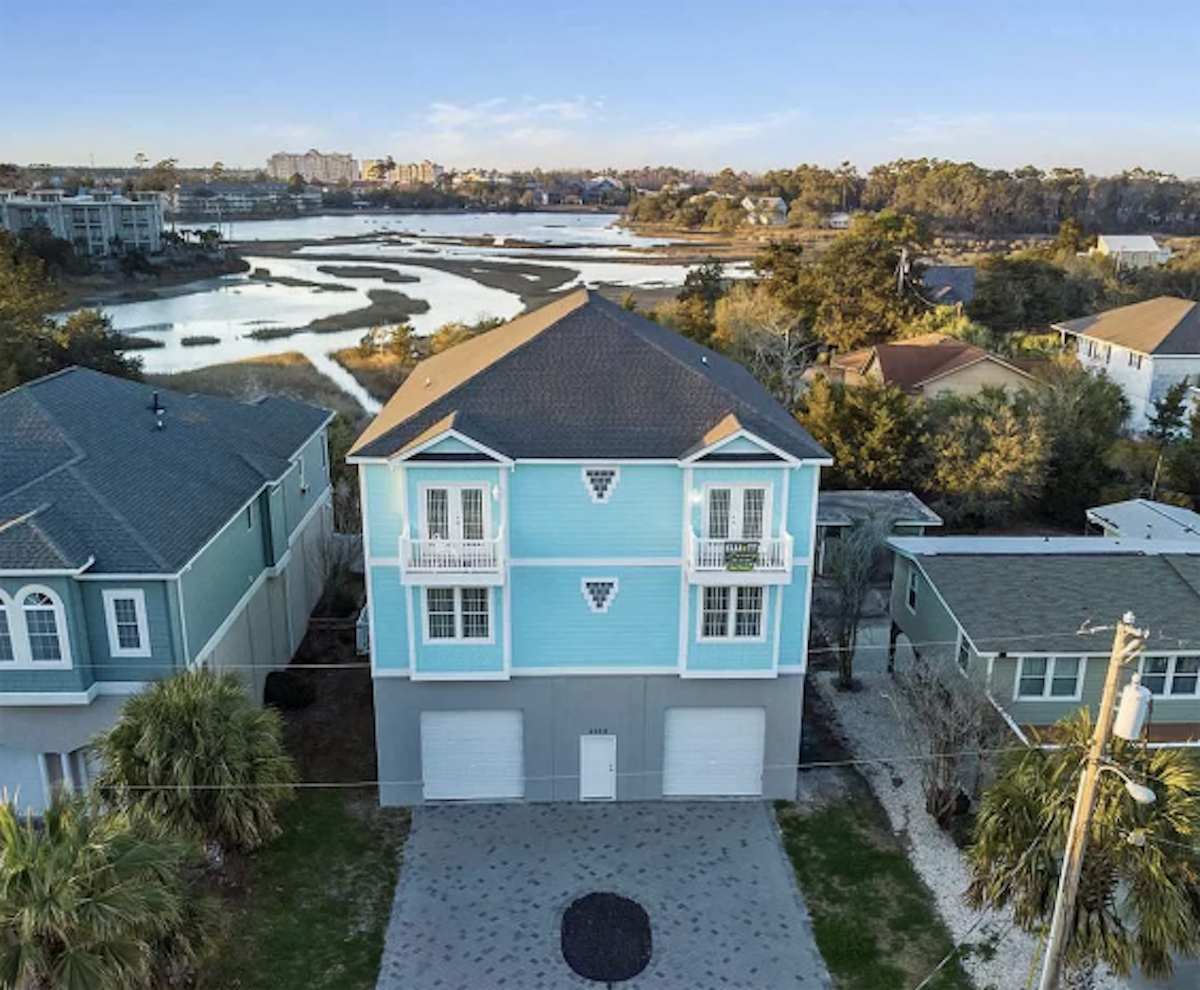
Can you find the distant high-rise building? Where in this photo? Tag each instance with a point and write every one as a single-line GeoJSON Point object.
{"type": "Point", "coordinates": [313, 166]}
{"type": "Point", "coordinates": [424, 173]}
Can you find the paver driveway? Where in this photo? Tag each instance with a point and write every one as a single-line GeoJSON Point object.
{"type": "Point", "coordinates": [483, 889]}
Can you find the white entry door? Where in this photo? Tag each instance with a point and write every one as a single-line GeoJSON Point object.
{"type": "Point", "coordinates": [473, 755]}
{"type": "Point", "coordinates": [713, 752]}
{"type": "Point", "coordinates": [597, 768]}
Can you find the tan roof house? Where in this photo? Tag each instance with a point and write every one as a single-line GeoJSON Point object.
{"type": "Point", "coordinates": [1145, 348]}
{"type": "Point", "coordinates": [931, 365]}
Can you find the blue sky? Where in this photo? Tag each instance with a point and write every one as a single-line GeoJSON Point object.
{"type": "Point", "coordinates": [515, 83]}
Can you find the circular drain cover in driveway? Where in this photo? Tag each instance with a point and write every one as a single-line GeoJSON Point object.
{"type": "Point", "coordinates": [606, 937]}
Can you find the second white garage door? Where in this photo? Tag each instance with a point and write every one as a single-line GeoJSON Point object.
{"type": "Point", "coordinates": [473, 755]}
{"type": "Point", "coordinates": [713, 752]}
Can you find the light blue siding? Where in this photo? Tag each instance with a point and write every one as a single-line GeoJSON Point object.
{"type": "Point", "coordinates": [451, 445]}
{"type": "Point", "coordinates": [731, 655]}
{"type": "Point", "coordinates": [389, 618]}
{"type": "Point", "coordinates": [802, 508]}
{"type": "Point", "coordinates": [552, 513]}
{"type": "Point", "coordinates": [451, 657]}
{"type": "Point", "coordinates": [381, 510]}
{"type": "Point", "coordinates": [553, 626]}
{"type": "Point", "coordinates": [794, 632]}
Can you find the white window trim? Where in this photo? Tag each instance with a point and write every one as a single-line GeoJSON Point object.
{"type": "Point", "coordinates": [458, 639]}
{"type": "Point", "coordinates": [110, 619]}
{"type": "Point", "coordinates": [958, 651]}
{"type": "Point", "coordinates": [768, 489]}
{"type": "Point", "coordinates": [583, 589]}
{"type": "Point", "coordinates": [1169, 676]}
{"type": "Point", "coordinates": [587, 484]}
{"type": "Point", "coordinates": [1048, 678]}
{"type": "Point", "coordinates": [912, 589]}
{"type": "Point", "coordinates": [450, 486]}
{"type": "Point", "coordinates": [731, 616]}
{"type": "Point", "coordinates": [22, 653]}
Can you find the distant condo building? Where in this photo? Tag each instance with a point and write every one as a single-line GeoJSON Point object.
{"type": "Point", "coordinates": [99, 224]}
{"type": "Point", "coordinates": [424, 173]}
{"type": "Point", "coordinates": [313, 167]}
{"type": "Point", "coordinates": [221, 200]}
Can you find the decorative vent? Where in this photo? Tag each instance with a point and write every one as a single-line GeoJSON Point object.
{"type": "Point", "coordinates": [599, 593]}
{"type": "Point", "coordinates": [600, 482]}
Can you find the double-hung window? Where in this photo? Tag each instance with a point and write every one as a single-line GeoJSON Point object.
{"type": "Point", "coordinates": [732, 612]}
{"type": "Point", "coordinates": [1049, 677]}
{"type": "Point", "coordinates": [458, 615]}
{"type": "Point", "coordinates": [1168, 677]}
{"type": "Point", "coordinates": [128, 630]}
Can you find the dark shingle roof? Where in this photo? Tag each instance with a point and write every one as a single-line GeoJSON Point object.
{"type": "Point", "coordinates": [949, 284]}
{"type": "Point", "coordinates": [86, 473]}
{"type": "Point", "coordinates": [1036, 603]}
{"type": "Point", "coordinates": [841, 508]}
{"type": "Point", "coordinates": [582, 378]}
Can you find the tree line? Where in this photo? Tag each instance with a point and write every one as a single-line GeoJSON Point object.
{"type": "Point", "coordinates": [952, 197]}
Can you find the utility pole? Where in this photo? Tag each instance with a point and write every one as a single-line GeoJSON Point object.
{"type": "Point", "coordinates": [1127, 643]}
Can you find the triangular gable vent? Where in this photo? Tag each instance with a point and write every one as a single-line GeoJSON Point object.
{"type": "Point", "coordinates": [600, 482]}
{"type": "Point", "coordinates": [599, 593]}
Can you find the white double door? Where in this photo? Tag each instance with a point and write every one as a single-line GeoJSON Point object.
{"type": "Point", "coordinates": [736, 512]}
{"type": "Point", "coordinates": [456, 513]}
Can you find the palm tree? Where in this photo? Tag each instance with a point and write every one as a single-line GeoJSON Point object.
{"type": "Point", "coordinates": [1139, 897]}
{"type": "Point", "coordinates": [194, 752]}
{"type": "Point", "coordinates": [89, 901]}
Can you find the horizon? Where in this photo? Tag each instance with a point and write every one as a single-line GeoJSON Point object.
{"type": "Point", "coordinates": [528, 87]}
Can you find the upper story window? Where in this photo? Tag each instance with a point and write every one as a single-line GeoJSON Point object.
{"type": "Point", "coordinates": [1135, 360]}
{"type": "Point", "coordinates": [731, 613]}
{"type": "Point", "coordinates": [128, 630]}
{"type": "Point", "coordinates": [964, 652]}
{"type": "Point", "coordinates": [1049, 677]}
{"type": "Point", "coordinates": [455, 512]}
{"type": "Point", "coordinates": [458, 614]}
{"type": "Point", "coordinates": [33, 629]}
{"type": "Point", "coordinates": [1171, 677]}
{"type": "Point", "coordinates": [736, 512]}
{"type": "Point", "coordinates": [911, 587]}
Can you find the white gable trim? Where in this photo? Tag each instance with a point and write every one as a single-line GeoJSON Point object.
{"type": "Point", "coordinates": [742, 434]}
{"type": "Point", "coordinates": [450, 434]}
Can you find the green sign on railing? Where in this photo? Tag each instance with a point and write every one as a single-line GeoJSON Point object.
{"type": "Point", "coordinates": [741, 556]}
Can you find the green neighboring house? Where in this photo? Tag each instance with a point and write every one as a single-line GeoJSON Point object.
{"type": "Point", "coordinates": [143, 533]}
{"type": "Point", "coordinates": [1016, 613]}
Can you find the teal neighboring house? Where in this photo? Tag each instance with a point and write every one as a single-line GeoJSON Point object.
{"type": "Point", "coordinates": [589, 549]}
{"type": "Point", "coordinates": [1019, 614]}
{"type": "Point", "coordinates": [143, 533]}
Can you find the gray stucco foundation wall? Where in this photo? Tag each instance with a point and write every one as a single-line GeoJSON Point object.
{"type": "Point", "coordinates": [558, 710]}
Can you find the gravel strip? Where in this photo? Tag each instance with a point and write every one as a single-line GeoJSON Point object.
{"type": "Point", "coordinates": [871, 729]}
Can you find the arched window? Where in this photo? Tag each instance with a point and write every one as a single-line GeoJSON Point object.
{"type": "Point", "coordinates": [43, 627]}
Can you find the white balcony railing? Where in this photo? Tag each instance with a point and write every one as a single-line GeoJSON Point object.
{"type": "Point", "coordinates": [431, 557]}
{"type": "Point", "coordinates": [767, 557]}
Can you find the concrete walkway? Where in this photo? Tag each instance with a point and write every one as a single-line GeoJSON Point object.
{"type": "Point", "coordinates": [483, 889]}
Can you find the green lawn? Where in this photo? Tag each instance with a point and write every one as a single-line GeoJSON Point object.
{"type": "Point", "coordinates": [873, 919]}
{"type": "Point", "coordinates": [310, 910]}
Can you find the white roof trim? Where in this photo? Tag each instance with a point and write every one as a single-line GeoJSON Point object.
{"type": "Point", "coordinates": [450, 434]}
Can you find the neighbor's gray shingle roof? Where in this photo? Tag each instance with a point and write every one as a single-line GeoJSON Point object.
{"type": "Point", "coordinates": [86, 473]}
{"type": "Point", "coordinates": [582, 378]}
{"type": "Point", "coordinates": [949, 284]}
{"type": "Point", "coordinates": [841, 508]}
{"type": "Point", "coordinates": [1036, 603]}
{"type": "Point", "coordinates": [1166, 325]}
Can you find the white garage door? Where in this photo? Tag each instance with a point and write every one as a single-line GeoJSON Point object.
{"type": "Point", "coordinates": [472, 755]}
{"type": "Point", "coordinates": [713, 752]}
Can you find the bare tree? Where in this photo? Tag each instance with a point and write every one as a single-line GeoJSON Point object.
{"type": "Point", "coordinates": [950, 722]}
{"type": "Point", "coordinates": [765, 335]}
{"type": "Point", "coordinates": [853, 561]}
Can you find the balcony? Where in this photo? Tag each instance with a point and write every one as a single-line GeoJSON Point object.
{"type": "Point", "coordinates": [452, 562]}
{"type": "Point", "coordinates": [743, 562]}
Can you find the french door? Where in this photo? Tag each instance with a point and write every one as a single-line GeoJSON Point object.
{"type": "Point", "coordinates": [736, 512]}
{"type": "Point", "coordinates": [455, 513]}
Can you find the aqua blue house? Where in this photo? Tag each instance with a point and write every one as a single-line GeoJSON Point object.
{"type": "Point", "coordinates": [589, 549]}
{"type": "Point", "coordinates": [141, 533]}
